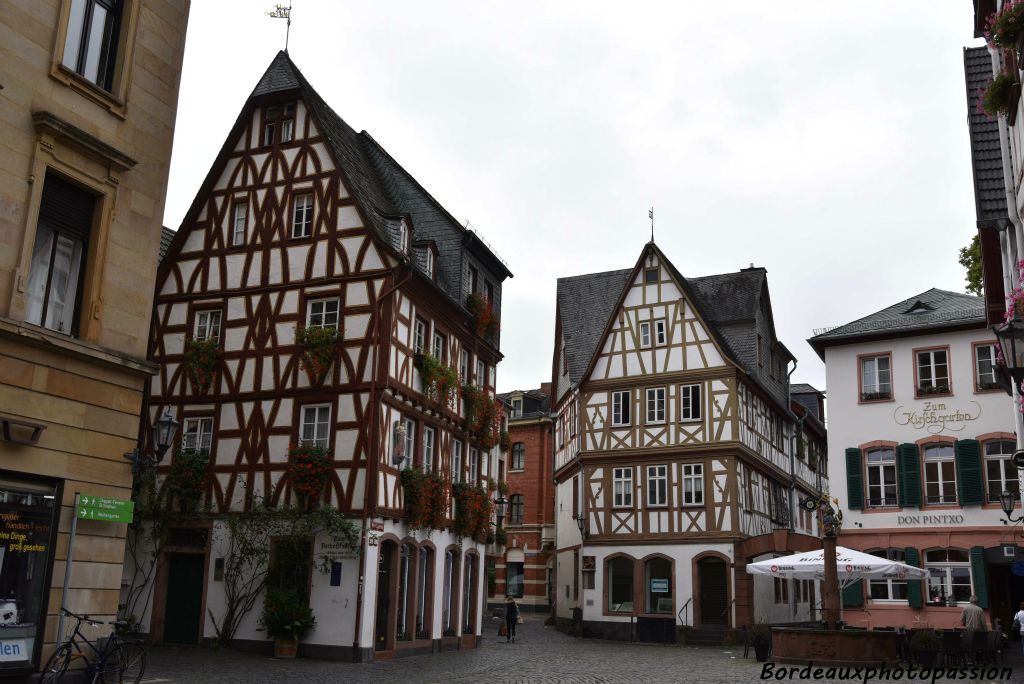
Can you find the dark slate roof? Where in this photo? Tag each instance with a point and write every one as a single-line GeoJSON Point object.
{"type": "Point", "coordinates": [536, 403]}
{"type": "Point", "coordinates": [986, 157]}
{"type": "Point", "coordinates": [730, 302]}
{"type": "Point", "coordinates": [934, 309]}
{"type": "Point", "coordinates": [585, 303]}
{"type": "Point", "coordinates": [166, 235]}
{"type": "Point", "coordinates": [802, 388]}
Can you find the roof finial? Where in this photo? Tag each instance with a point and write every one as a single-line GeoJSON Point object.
{"type": "Point", "coordinates": [282, 12]}
{"type": "Point", "coordinates": [651, 214]}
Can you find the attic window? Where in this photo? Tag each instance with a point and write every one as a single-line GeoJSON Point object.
{"type": "Point", "coordinates": [651, 276]}
{"type": "Point", "coordinates": [278, 118]}
{"type": "Point", "coordinates": [430, 263]}
{"type": "Point", "coordinates": [919, 307]}
{"type": "Point", "coordinates": [403, 237]}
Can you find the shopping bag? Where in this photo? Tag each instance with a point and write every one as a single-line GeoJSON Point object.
{"type": "Point", "coordinates": [503, 630]}
{"type": "Point", "coordinates": [519, 620]}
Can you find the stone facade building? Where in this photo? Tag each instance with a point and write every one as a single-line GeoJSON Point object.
{"type": "Point", "coordinates": [88, 97]}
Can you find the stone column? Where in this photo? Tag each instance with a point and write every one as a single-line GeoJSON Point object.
{"type": "Point", "coordinates": [830, 587]}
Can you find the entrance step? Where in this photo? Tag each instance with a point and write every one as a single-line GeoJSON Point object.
{"type": "Point", "coordinates": [707, 635]}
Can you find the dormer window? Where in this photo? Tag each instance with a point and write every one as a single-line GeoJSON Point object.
{"type": "Point", "coordinates": [517, 408]}
{"type": "Point", "coordinates": [403, 237]}
{"type": "Point", "coordinates": [430, 262]}
{"type": "Point", "coordinates": [278, 120]}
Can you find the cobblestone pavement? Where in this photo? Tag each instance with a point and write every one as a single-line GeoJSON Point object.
{"type": "Point", "coordinates": [540, 655]}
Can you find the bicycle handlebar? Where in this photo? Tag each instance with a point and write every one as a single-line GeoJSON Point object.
{"type": "Point", "coordinates": [86, 618]}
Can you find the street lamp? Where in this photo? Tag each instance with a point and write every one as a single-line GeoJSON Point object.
{"type": "Point", "coordinates": [1006, 500]}
{"type": "Point", "coordinates": [581, 522]}
{"type": "Point", "coordinates": [164, 430]}
{"type": "Point", "coordinates": [499, 509]}
{"type": "Point", "coordinates": [1011, 343]}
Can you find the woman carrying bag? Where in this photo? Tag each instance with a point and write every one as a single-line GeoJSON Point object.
{"type": "Point", "coordinates": [511, 618]}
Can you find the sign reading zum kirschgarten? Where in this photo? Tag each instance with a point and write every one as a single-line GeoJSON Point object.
{"type": "Point", "coordinates": [936, 417]}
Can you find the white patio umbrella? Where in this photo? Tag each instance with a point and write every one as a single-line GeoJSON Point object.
{"type": "Point", "coordinates": [852, 565]}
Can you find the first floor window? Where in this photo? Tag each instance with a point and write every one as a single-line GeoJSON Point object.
{"type": "Point", "coordinates": [657, 485]}
{"type": "Point", "coordinates": [689, 397]}
{"type": "Point", "coordinates": [302, 220]}
{"type": "Point", "coordinates": [622, 486]}
{"type": "Point", "coordinates": [315, 429]}
{"type": "Point", "coordinates": [456, 461]}
{"type": "Point", "coordinates": [932, 372]}
{"type": "Point", "coordinates": [619, 573]}
{"type": "Point", "coordinates": [645, 333]}
{"type": "Point", "coordinates": [515, 515]}
{"type": "Point", "coordinates": [658, 586]}
{"type": "Point", "coordinates": [693, 484]}
{"type": "Point", "coordinates": [90, 49]}
{"type": "Point", "coordinates": [985, 366]}
{"type": "Point", "coordinates": [620, 408]}
{"type": "Point", "coordinates": [207, 325]}
{"type": "Point", "coordinates": [323, 313]}
{"type": "Point", "coordinates": [881, 477]}
{"type": "Point", "coordinates": [1000, 473]}
{"type": "Point", "coordinates": [875, 378]}
{"type": "Point", "coordinates": [888, 589]}
{"type": "Point", "coordinates": [518, 456]}
{"type": "Point", "coordinates": [939, 474]}
{"type": "Point", "coordinates": [656, 405]}
{"type": "Point", "coordinates": [197, 435]}
{"type": "Point", "coordinates": [429, 436]}
{"type": "Point", "coordinates": [949, 575]}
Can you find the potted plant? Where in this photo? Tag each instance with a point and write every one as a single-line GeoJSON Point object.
{"type": "Point", "coordinates": [286, 619]}
{"type": "Point", "coordinates": [1005, 28]}
{"type": "Point", "coordinates": [999, 95]}
{"type": "Point", "coordinates": [187, 478]}
{"type": "Point", "coordinates": [761, 638]}
{"type": "Point", "coordinates": [202, 359]}
{"type": "Point", "coordinates": [318, 347]}
{"type": "Point", "coordinates": [924, 644]}
{"type": "Point", "coordinates": [309, 469]}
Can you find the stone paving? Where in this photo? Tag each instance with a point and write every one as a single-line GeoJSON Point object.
{"type": "Point", "coordinates": [540, 655]}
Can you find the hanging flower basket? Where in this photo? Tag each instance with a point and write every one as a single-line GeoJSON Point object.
{"type": "Point", "coordinates": [485, 321]}
{"type": "Point", "coordinates": [425, 498]}
{"type": "Point", "coordinates": [309, 471]}
{"type": "Point", "coordinates": [202, 358]}
{"type": "Point", "coordinates": [1006, 27]}
{"type": "Point", "coordinates": [999, 95]}
{"type": "Point", "coordinates": [483, 417]}
{"type": "Point", "coordinates": [186, 480]}
{"type": "Point", "coordinates": [439, 380]}
{"type": "Point", "coordinates": [472, 511]}
{"type": "Point", "coordinates": [319, 346]}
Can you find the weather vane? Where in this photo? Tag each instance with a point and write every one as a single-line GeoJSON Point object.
{"type": "Point", "coordinates": [282, 12]}
{"type": "Point", "coordinates": [651, 214]}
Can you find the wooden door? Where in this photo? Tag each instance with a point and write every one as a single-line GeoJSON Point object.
{"type": "Point", "coordinates": [714, 591]}
{"type": "Point", "coordinates": [183, 612]}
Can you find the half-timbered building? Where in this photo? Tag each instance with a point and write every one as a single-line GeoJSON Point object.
{"type": "Point", "coordinates": [674, 449]}
{"type": "Point", "coordinates": [304, 225]}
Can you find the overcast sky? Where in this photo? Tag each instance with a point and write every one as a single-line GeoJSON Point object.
{"type": "Point", "coordinates": [826, 142]}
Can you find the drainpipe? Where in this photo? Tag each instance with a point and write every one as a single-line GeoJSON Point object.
{"type": "Point", "coordinates": [792, 443]}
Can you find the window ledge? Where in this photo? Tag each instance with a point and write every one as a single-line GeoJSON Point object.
{"type": "Point", "coordinates": [87, 88]}
{"type": "Point", "coordinates": [42, 338]}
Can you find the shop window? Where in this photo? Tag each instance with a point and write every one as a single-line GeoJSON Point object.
{"type": "Point", "coordinates": [518, 456]}
{"type": "Point", "coordinates": [949, 575]}
{"type": "Point", "coordinates": [516, 510]}
{"type": "Point", "coordinates": [405, 561]}
{"type": "Point", "coordinates": [424, 590]}
{"type": "Point", "coordinates": [658, 586]}
{"type": "Point", "coordinates": [888, 589]}
{"type": "Point", "coordinates": [448, 593]}
{"type": "Point", "coordinates": [515, 579]}
{"type": "Point", "coordinates": [90, 47]}
{"type": "Point", "coordinates": [881, 464]}
{"type": "Point", "coordinates": [781, 590]}
{"type": "Point", "coordinates": [619, 580]}
{"type": "Point", "coordinates": [290, 567]}
{"type": "Point", "coordinates": [939, 474]}
{"type": "Point", "coordinates": [1000, 473]}
{"type": "Point", "coordinates": [469, 595]}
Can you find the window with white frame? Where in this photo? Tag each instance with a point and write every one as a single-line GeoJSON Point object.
{"type": "Point", "coordinates": [238, 224]}
{"type": "Point", "coordinates": [939, 474]}
{"type": "Point", "coordinates": [456, 461]}
{"type": "Point", "coordinates": [430, 263]}
{"type": "Point", "coordinates": [403, 237]}
{"type": "Point", "coordinates": [207, 325]}
{"type": "Point", "coordinates": [985, 366]}
{"type": "Point", "coordinates": [932, 372]}
{"type": "Point", "coordinates": [464, 366]}
{"type": "Point", "coordinates": [429, 437]}
{"type": "Point", "coordinates": [287, 130]}
{"type": "Point", "coordinates": [481, 373]}
{"type": "Point", "coordinates": [437, 346]}
{"type": "Point", "coordinates": [659, 331]}
{"type": "Point", "coordinates": [881, 465]}
{"type": "Point", "coordinates": [322, 313]}
{"type": "Point", "coordinates": [888, 589]}
{"type": "Point", "coordinates": [410, 440]}
{"type": "Point", "coordinates": [419, 338]}
{"type": "Point", "coordinates": [517, 408]}
{"type": "Point", "coordinates": [316, 423]}
{"type": "Point", "coordinates": [302, 218]}
{"type": "Point", "coordinates": [949, 575]}
{"type": "Point", "coordinates": [622, 487]}
{"type": "Point", "coordinates": [645, 333]}
{"type": "Point", "coordinates": [620, 408]}
{"type": "Point", "coordinates": [693, 484]}
{"type": "Point", "coordinates": [1000, 473]}
{"type": "Point", "coordinates": [474, 466]}
{"type": "Point", "coordinates": [197, 435]}
{"type": "Point", "coordinates": [689, 402]}
{"type": "Point", "coordinates": [875, 378]}
{"type": "Point", "coordinates": [656, 405]}
{"type": "Point", "coordinates": [657, 485]}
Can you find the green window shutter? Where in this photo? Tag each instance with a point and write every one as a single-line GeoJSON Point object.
{"type": "Point", "coordinates": [979, 576]}
{"type": "Point", "coordinates": [969, 484]}
{"type": "Point", "coordinates": [909, 476]}
{"type": "Point", "coordinates": [853, 595]}
{"type": "Point", "coordinates": [913, 586]}
{"type": "Point", "coordinates": [854, 480]}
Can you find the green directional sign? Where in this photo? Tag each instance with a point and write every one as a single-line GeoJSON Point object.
{"type": "Point", "coordinates": [105, 509]}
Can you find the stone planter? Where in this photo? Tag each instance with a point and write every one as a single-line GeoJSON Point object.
{"type": "Point", "coordinates": [286, 649]}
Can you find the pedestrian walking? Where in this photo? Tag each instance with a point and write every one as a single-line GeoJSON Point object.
{"type": "Point", "coordinates": [973, 617]}
{"type": "Point", "coordinates": [511, 618]}
{"type": "Point", "coordinates": [1018, 623]}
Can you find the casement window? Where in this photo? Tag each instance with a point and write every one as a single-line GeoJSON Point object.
{"type": "Point", "coordinates": [419, 337]}
{"type": "Point", "coordinates": [1000, 472]}
{"type": "Point", "coordinates": [516, 509]}
{"type": "Point", "coordinates": [322, 313]}
{"type": "Point", "coordinates": [619, 578]}
{"type": "Point", "coordinates": [985, 367]}
{"type": "Point", "coordinates": [429, 438]}
{"type": "Point", "coordinates": [939, 474]}
{"type": "Point", "coordinates": [481, 373]}
{"type": "Point", "coordinates": [438, 346]}
{"type": "Point", "coordinates": [645, 333]}
{"type": "Point", "coordinates": [316, 424]}
{"type": "Point", "coordinates": [875, 378]}
{"type": "Point", "coordinates": [430, 263]}
{"type": "Point", "coordinates": [302, 217]}
{"type": "Point", "coordinates": [780, 504]}
{"type": "Point", "coordinates": [693, 484]}
{"type": "Point", "coordinates": [403, 237]}
{"type": "Point", "coordinates": [689, 402]}
{"type": "Point", "coordinates": [650, 276]}
{"type": "Point", "coordinates": [656, 405]}
{"type": "Point", "coordinates": [59, 256]}
{"type": "Point", "coordinates": [517, 408]}
{"type": "Point", "coordinates": [278, 118]}
{"type": "Point", "coordinates": [464, 366]}
{"type": "Point", "coordinates": [410, 439]}
{"type": "Point", "coordinates": [456, 461]}
{"type": "Point", "coordinates": [207, 325]}
{"type": "Point", "coordinates": [659, 331]}
{"type": "Point", "coordinates": [888, 589]}
{"type": "Point", "coordinates": [881, 465]}
{"type": "Point", "coordinates": [239, 221]}
{"type": "Point", "coordinates": [518, 456]}
{"type": "Point", "coordinates": [474, 466]}
{"type": "Point", "coordinates": [949, 575]}
{"type": "Point", "coordinates": [657, 485]}
{"type": "Point", "coordinates": [91, 45]}
{"type": "Point", "coordinates": [197, 435]}
{"type": "Point", "coordinates": [622, 487]}
{"type": "Point", "coordinates": [620, 408]}
{"type": "Point", "coordinates": [932, 372]}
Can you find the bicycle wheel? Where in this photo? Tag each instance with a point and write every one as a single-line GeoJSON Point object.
{"type": "Point", "coordinates": [57, 665]}
{"type": "Point", "coordinates": [124, 664]}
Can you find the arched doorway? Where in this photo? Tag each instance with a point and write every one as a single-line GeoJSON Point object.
{"type": "Point", "coordinates": [382, 636]}
{"type": "Point", "coordinates": [713, 591]}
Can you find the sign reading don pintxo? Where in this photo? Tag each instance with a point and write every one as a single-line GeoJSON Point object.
{"type": "Point", "coordinates": [931, 519]}
{"type": "Point", "coordinates": [936, 417]}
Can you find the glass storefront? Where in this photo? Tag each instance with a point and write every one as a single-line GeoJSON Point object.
{"type": "Point", "coordinates": [28, 516]}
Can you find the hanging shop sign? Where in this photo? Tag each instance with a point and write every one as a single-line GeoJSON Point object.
{"type": "Point", "coordinates": [935, 417]}
{"type": "Point", "coordinates": [105, 509]}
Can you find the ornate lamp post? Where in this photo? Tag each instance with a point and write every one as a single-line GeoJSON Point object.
{"type": "Point", "coordinates": [581, 522]}
{"type": "Point", "coordinates": [1010, 336]}
{"type": "Point", "coordinates": [1006, 500]}
{"type": "Point", "coordinates": [831, 525]}
{"type": "Point", "coordinates": [499, 509]}
{"type": "Point", "coordinates": [164, 430]}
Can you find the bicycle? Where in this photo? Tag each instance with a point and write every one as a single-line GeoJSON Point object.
{"type": "Point", "coordinates": [116, 660]}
